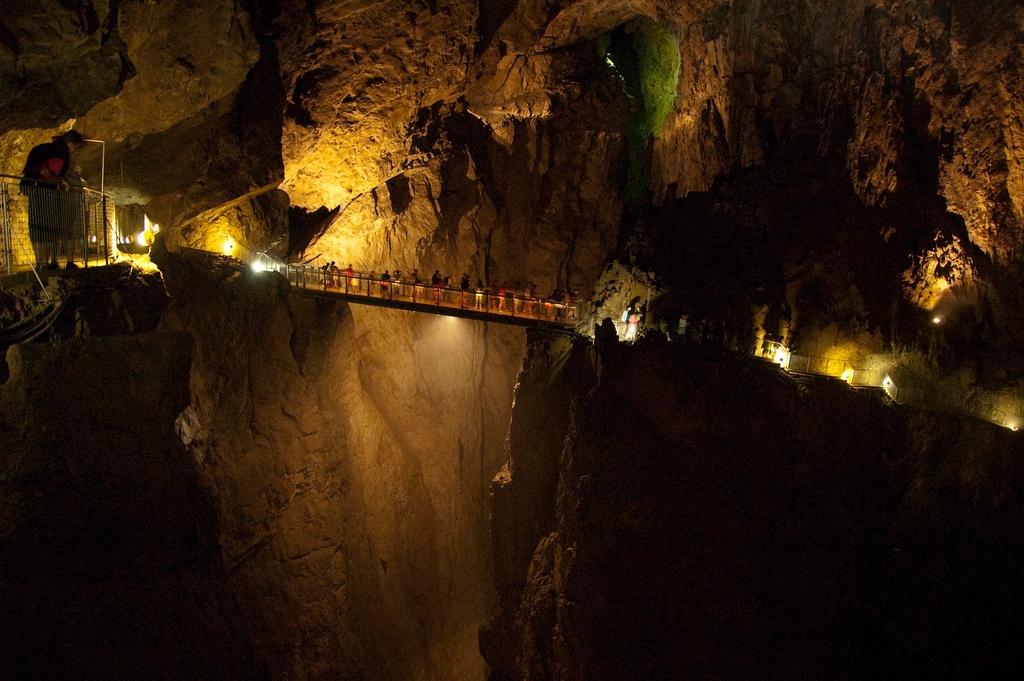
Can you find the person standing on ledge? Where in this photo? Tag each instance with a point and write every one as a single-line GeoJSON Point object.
{"type": "Point", "coordinates": [52, 214]}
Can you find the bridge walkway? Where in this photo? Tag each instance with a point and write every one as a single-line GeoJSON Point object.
{"type": "Point", "coordinates": [482, 305]}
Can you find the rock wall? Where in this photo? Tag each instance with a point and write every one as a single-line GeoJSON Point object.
{"type": "Point", "coordinates": [348, 452]}
{"type": "Point", "coordinates": [302, 483]}
{"type": "Point", "coordinates": [707, 516]}
{"type": "Point", "coordinates": [109, 556]}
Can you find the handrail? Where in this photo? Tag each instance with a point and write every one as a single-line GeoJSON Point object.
{"type": "Point", "coordinates": [471, 300]}
{"type": "Point", "coordinates": [43, 223]}
{"type": "Point", "coordinates": [37, 181]}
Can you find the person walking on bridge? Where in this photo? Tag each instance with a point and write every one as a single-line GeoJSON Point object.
{"type": "Point", "coordinates": [479, 294]}
{"type": "Point", "coordinates": [502, 290]}
{"type": "Point", "coordinates": [464, 286]}
{"type": "Point", "coordinates": [435, 281]}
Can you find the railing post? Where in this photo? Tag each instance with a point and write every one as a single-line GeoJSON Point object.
{"type": "Point", "coordinates": [5, 225]}
{"type": "Point", "coordinates": [84, 202]}
{"type": "Point", "coordinates": [106, 251]}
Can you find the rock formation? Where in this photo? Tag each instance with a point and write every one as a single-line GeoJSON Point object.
{"type": "Point", "coordinates": [703, 516]}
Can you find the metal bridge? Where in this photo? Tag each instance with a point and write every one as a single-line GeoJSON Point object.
{"type": "Point", "coordinates": [472, 303]}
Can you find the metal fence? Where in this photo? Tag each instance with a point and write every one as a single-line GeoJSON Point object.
{"type": "Point", "coordinates": [825, 366]}
{"type": "Point", "coordinates": [44, 225]}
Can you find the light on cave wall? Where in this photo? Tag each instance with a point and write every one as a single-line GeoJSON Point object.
{"type": "Point", "coordinates": [847, 375]}
{"type": "Point", "coordinates": [148, 234]}
{"type": "Point", "coordinates": [261, 262]}
{"type": "Point", "coordinates": [228, 247]}
{"type": "Point", "coordinates": [937, 319]}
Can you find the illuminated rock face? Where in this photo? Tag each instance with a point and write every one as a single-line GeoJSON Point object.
{"type": "Point", "coordinates": [349, 452]}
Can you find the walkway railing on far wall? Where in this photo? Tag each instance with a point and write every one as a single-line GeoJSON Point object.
{"type": "Point", "coordinates": [907, 392]}
{"type": "Point", "coordinates": [43, 224]}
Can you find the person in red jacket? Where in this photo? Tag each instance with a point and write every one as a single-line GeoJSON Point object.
{"type": "Point", "coordinates": [52, 214]}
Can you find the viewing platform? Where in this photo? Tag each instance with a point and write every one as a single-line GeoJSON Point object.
{"type": "Point", "coordinates": [42, 223]}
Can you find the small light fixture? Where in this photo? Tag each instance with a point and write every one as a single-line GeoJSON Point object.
{"type": "Point", "coordinates": [847, 375]}
{"type": "Point", "coordinates": [936, 320]}
{"type": "Point", "coordinates": [229, 245]}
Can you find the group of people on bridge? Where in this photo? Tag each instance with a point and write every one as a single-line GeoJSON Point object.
{"type": "Point", "coordinates": [517, 300]}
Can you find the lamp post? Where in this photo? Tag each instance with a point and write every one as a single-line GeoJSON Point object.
{"type": "Point", "coordinates": [103, 160]}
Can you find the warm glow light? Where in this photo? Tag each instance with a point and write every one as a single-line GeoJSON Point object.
{"type": "Point", "coordinates": [887, 382]}
{"type": "Point", "coordinates": [257, 265]}
{"type": "Point", "coordinates": [229, 245]}
{"type": "Point", "coordinates": [847, 375]}
{"type": "Point", "coordinates": [936, 319]}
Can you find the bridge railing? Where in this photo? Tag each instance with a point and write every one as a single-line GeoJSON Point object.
{"type": "Point", "coordinates": [41, 224]}
{"type": "Point", "coordinates": [403, 290]}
